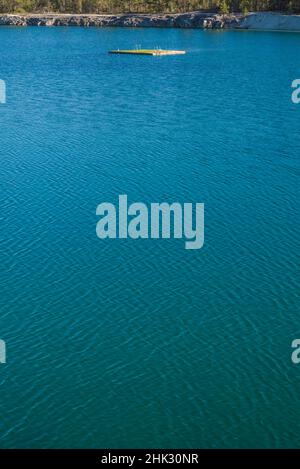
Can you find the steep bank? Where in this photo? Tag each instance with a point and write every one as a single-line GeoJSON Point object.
{"type": "Point", "coordinates": [271, 21]}
{"type": "Point", "coordinates": [185, 20]}
{"type": "Point", "coordinates": [261, 21]}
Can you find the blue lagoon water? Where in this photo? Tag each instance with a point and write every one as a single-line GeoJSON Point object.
{"type": "Point", "coordinates": [141, 343]}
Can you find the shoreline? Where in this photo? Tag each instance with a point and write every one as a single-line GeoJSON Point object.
{"type": "Point", "coordinates": [191, 20]}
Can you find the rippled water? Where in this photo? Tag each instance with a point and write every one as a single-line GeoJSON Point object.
{"type": "Point", "coordinates": [126, 343]}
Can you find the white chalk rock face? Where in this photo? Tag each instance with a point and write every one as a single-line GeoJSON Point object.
{"type": "Point", "coordinates": [271, 21]}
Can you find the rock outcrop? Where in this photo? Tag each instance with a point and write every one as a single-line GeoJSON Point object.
{"type": "Point", "coordinates": [271, 21]}
{"type": "Point", "coordinates": [263, 21]}
{"type": "Point", "coordinates": [185, 20]}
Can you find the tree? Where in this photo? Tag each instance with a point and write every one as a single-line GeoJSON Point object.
{"type": "Point", "coordinates": [224, 6]}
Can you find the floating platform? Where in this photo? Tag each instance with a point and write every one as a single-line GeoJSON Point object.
{"type": "Point", "coordinates": [154, 52]}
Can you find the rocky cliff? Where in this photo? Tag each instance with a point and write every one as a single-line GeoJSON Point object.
{"type": "Point", "coordinates": [262, 21]}
{"type": "Point", "coordinates": [186, 20]}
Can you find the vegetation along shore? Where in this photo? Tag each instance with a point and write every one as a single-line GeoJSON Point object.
{"type": "Point", "coordinates": [146, 6]}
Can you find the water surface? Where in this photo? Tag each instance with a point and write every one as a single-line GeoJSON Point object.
{"type": "Point", "coordinates": [142, 343]}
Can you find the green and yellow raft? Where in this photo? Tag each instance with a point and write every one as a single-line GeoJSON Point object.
{"type": "Point", "coordinates": [153, 52]}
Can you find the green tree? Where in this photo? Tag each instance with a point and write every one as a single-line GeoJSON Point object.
{"type": "Point", "coordinates": [224, 6]}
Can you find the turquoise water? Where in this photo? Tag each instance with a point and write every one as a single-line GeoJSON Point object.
{"type": "Point", "coordinates": [141, 343]}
